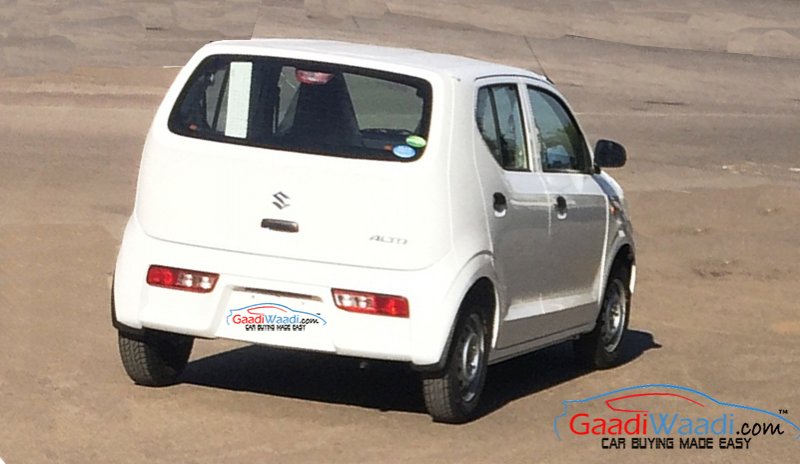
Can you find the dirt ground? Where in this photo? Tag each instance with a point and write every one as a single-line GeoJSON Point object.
{"type": "Point", "coordinates": [705, 95]}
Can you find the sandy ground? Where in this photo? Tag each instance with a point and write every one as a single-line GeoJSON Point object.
{"type": "Point", "coordinates": [705, 95]}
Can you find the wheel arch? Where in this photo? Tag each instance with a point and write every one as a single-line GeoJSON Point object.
{"type": "Point", "coordinates": [481, 293]}
{"type": "Point", "coordinates": [624, 258]}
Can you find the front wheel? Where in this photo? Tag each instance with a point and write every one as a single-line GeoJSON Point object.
{"type": "Point", "coordinates": [154, 358]}
{"type": "Point", "coordinates": [452, 395]}
{"type": "Point", "coordinates": [600, 348]}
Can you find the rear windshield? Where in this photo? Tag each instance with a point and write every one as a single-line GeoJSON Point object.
{"type": "Point", "coordinates": [307, 107]}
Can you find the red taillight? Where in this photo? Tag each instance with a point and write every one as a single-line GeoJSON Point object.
{"type": "Point", "coordinates": [181, 279]}
{"type": "Point", "coordinates": [371, 303]}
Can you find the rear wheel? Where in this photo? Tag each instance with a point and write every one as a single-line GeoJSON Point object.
{"type": "Point", "coordinates": [600, 348]}
{"type": "Point", "coordinates": [154, 358]}
{"type": "Point", "coordinates": [452, 395]}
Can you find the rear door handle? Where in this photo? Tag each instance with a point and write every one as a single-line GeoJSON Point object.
{"type": "Point", "coordinates": [561, 207]}
{"type": "Point", "coordinates": [500, 204]}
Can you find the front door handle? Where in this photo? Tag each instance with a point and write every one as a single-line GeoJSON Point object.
{"type": "Point", "coordinates": [500, 205]}
{"type": "Point", "coordinates": [561, 207]}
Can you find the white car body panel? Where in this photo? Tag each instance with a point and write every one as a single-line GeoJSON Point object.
{"type": "Point", "coordinates": [199, 202]}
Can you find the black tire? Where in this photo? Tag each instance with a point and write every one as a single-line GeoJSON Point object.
{"type": "Point", "coordinates": [154, 358]}
{"type": "Point", "coordinates": [600, 348]}
{"type": "Point", "coordinates": [452, 395]}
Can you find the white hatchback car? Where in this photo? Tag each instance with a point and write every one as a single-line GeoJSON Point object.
{"type": "Point", "coordinates": [371, 202]}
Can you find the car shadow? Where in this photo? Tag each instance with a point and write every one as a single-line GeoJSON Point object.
{"type": "Point", "coordinates": [382, 385]}
{"type": "Point", "coordinates": [538, 371]}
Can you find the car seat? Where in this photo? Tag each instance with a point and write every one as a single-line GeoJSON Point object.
{"type": "Point", "coordinates": [324, 117]}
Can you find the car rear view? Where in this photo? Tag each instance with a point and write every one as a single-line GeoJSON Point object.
{"type": "Point", "coordinates": [278, 203]}
{"type": "Point", "coordinates": [373, 202]}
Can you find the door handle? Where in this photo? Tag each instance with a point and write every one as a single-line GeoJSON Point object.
{"type": "Point", "coordinates": [500, 205]}
{"type": "Point", "coordinates": [561, 207]}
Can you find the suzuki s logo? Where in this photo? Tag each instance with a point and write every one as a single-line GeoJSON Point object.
{"type": "Point", "coordinates": [281, 200]}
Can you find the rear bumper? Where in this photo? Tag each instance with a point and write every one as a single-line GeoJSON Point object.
{"type": "Point", "coordinates": [434, 295]}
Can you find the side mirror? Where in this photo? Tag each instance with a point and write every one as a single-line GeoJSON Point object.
{"type": "Point", "coordinates": [609, 154]}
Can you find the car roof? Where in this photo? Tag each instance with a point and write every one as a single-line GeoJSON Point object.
{"type": "Point", "coordinates": [346, 52]}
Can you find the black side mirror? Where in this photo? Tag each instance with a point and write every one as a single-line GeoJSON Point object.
{"type": "Point", "coordinates": [609, 154]}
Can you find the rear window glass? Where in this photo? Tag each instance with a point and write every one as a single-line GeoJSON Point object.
{"type": "Point", "coordinates": [305, 107]}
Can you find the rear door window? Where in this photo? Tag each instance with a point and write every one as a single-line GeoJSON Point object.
{"type": "Point", "coordinates": [306, 107]}
{"type": "Point", "coordinates": [499, 117]}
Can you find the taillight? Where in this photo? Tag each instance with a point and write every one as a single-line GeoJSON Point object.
{"type": "Point", "coordinates": [181, 279]}
{"type": "Point", "coordinates": [371, 303]}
